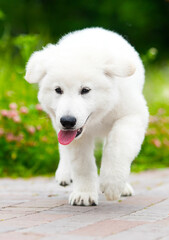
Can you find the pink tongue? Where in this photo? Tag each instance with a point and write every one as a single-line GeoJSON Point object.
{"type": "Point", "coordinates": [66, 137]}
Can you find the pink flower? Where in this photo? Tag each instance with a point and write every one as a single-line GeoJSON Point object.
{"type": "Point", "coordinates": [38, 107]}
{"type": "Point", "coordinates": [39, 128]}
{"type": "Point", "coordinates": [12, 113]}
{"type": "Point", "coordinates": [31, 129]}
{"type": "Point", "coordinates": [10, 137]}
{"type": "Point", "coordinates": [19, 137]}
{"type": "Point", "coordinates": [161, 111]}
{"type": "Point", "coordinates": [166, 142]}
{"type": "Point", "coordinates": [44, 139]}
{"type": "Point", "coordinates": [156, 142]}
{"type": "Point", "coordinates": [24, 110]}
{"type": "Point", "coordinates": [151, 131]}
{"type": "Point", "coordinates": [13, 106]}
{"type": "Point", "coordinates": [1, 131]}
{"type": "Point", "coordinates": [165, 119]}
{"type": "Point", "coordinates": [4, 113]}
{"type": "Point", "coordinates": [153, 119]}
{"type": "Point", "coordinates": [16, 119]}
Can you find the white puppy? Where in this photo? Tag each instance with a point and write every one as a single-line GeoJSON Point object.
{"type": "Point", "coordinates": [90, 84]}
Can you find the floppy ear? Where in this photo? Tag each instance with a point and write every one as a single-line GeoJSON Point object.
{"type": "Point", "coordinates": [119, 68]}
{"type": "Point", "coordinates": [37, 65]}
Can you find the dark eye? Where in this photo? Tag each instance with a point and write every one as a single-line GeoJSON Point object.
{"type": "Point", "coordinates": [85, 90]}
{"type": "Point", "coordinates": [58, 90]}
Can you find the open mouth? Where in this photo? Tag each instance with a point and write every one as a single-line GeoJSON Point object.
{"type": "Point", "coordinates": [79, 131]}
{"type": "Point", "coordinates": [67, 136]}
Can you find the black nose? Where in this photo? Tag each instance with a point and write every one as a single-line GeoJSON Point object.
{"type": "Point", "coordinates": [68, 121]}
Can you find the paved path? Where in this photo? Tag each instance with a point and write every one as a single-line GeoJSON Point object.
{"type": "Point", "coordinates": [37, 209]}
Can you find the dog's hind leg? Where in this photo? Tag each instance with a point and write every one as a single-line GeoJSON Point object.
{"type": "Point", "coordinates": [63, 173]}
{"type": "Point", "coordinates": [122, 146]}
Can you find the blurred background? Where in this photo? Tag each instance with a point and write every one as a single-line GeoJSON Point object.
{"type": "Point", "coordinates": [28, 143]}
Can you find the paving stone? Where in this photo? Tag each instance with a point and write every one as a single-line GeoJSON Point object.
{"type": "Point", "coordinates": [9, 215]}
{"type": "Point", "coordinates": [6, 203]}
{"type": "Point", "coordinates": [70, 237]}
{"type": "Point", "coordinates": [150, 231]}
{"type": "Point", "coordinates": [28, 221]}
{"type": "Point", "coordinates": [25, 210]}
{"type": "Point", "coordinates": [153, 212]}
{"type": "Point", "coordinates": [20, 236]}
{"type": "Point", "coordinates": [38, 208]}
{"type": "Point", "coordinates": [125, 206]}
{"type": "Point", "coordinates": [105, 228]}
{"type": "Point", "coordinates": [164, 238]}
{"type": "Point", "coordinates": [67, 224]}
{"type": "Point", "coordinates": [42, 203]}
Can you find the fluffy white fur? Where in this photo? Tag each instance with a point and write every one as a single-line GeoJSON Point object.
{"type": "Point", "coordinates": [114, 110]}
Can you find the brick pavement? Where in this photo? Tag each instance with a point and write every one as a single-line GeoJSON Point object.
{"type": "Point", "coordinates": [37, 209]}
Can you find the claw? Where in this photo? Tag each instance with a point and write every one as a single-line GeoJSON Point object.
{"type": "Point", "coordinates": [63, 184]}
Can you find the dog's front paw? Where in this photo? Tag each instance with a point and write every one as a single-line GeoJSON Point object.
{"type": "Point", "coordinates": [63, 177]}
{"type": "Point", "coordinates": [127, 191]}
{"type": "Point", "coordinates": [112, 189]}
{"type": "Point", "coordinates": [83, 199]}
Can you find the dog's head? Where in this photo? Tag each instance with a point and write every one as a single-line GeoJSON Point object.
{"type": "Point", "coordinates": [77, 88]}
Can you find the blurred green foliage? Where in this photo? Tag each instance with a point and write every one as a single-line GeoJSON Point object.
{"type": "Point", "coordinates": [26, 148]}
{"type": "Point", "coordinates": [28, 142]}
{"type": "Point", "coordinates": [144, 23]}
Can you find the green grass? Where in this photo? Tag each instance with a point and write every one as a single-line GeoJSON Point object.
{"type": "Point", "coordinates": [156, 88]}
{"type": "Point", "coordinates": [155, 149]}
{"type": "Point", "coordinates": [37, 153]}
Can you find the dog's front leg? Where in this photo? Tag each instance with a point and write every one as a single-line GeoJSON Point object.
{"type": "Point", "coordinates": [63, 172]}
{"type": "Point", "coordinates": [121, 147]}
{"type": "Point", "coordinates": [84, 174]}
